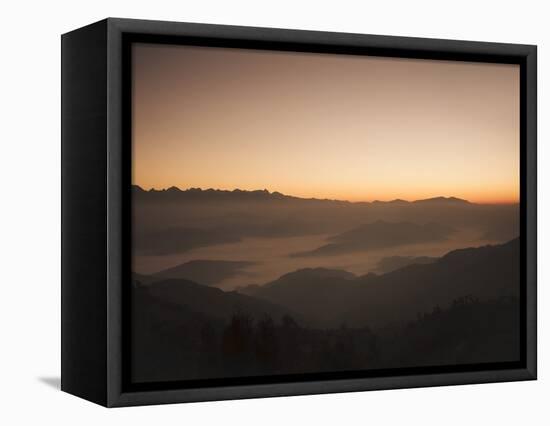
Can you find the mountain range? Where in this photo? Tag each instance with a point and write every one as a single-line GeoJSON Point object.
{"type": "Point", "coordinates": [174, 221]}
{"type": "Point", "coordinates": [328, 297]}
{"type": "Point", "coordinates": [380, 234]}
{"type": "Point", "coordinates": [175, 193]}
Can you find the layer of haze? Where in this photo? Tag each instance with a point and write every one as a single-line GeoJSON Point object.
{"type": "Point", "coordinates": [324, 126]}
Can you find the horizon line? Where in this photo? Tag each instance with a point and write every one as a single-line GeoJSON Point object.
{"type": "Point", "coordinates": [175, 188]}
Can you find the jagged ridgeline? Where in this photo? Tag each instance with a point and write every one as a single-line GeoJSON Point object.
{"type": "Point", "coordinates": [174, 221]}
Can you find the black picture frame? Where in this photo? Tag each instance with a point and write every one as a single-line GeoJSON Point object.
{"type": "Point", "coordinates": [96, 234]}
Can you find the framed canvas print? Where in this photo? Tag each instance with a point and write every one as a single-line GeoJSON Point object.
{"type": "Point", "coordinates": [252, 212]}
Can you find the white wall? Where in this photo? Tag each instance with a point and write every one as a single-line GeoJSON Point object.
{"type": "Point", "coordinates": [30, 241]}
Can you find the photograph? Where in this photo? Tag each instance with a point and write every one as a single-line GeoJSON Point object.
{"type": "Point", "coordinates": [272, 214]}
{"type": "Point", "coordinates": [298, 213]}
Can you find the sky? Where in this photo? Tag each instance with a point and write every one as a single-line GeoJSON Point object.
{"type": "Point", "coordinates": [357, 128]}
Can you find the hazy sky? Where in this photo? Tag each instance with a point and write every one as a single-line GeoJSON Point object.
{"type": "Point", "coordinates": [324, 126]}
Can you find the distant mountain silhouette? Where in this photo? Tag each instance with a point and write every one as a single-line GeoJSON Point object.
{"type": "Point", "coordinates": [486, 272]}
{"type": "Point", "coordinates": [174, 192]}
{"type": "Point", "coordinates": [397, 201]}
{"type": "Point", "coordinates": [380, 234]}
{"type": "Point", "coordinates": [391, 263]}
{"type": "Point", "coordinates": [207, 272]}
{"type": "Point", "coordinates": [307, 274]}
{"type": "Point", "coordinates": [209, 301]}
{"type": "Point", "coordinates": [174, 221]}
{"type": "Point", "coordinates": [437, 200]}
{"type": "Point", "coordinates": [302, 276]}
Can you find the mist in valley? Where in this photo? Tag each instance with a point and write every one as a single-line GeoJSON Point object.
{"type": "Point", "coordinates": [270, 231]}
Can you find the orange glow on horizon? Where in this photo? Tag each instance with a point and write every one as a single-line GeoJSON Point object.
{"type": "Point", "coordinates": [325, 126]}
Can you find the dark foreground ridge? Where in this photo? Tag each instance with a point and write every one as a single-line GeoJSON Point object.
{"type": "Point", "coordinates": [461, 309]}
